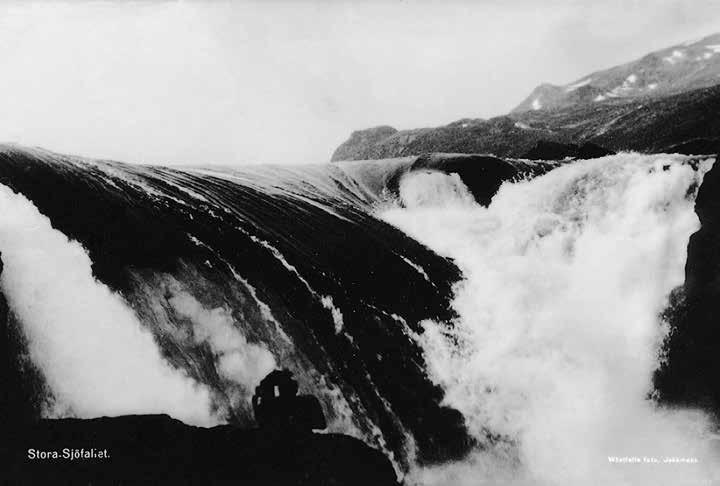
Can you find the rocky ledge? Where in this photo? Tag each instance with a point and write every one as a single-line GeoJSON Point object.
{"type": "Point", "coordinates": [689, 375]}
{"type": "Point", "coordinates": [157, 449]}
{"type": "Point", "coordinates": [152, 449]}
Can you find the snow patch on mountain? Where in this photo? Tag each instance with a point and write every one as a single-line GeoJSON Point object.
{"type": "Point", "coordinates": [625, 88]}
{"type": "Point", "coordinates": [676, 56]}
{"type": "Point", "coordinates": [579, 84]}
{"type": "Point", "coordinates": [675, 69]}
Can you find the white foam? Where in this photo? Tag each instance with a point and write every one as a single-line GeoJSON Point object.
{"type": "Point", "coordinates": [265, 310]}
{"type": "Point", "coordinates": [536, 105]}
{"type": "Point", "coordinates": [325, 300]}
{"type": "Point", "coordinates": [417, 268]}
{"type": "Point", "coordinates": [337, 316]}
{"type": "Point", "coordinates": [434, 189]}
{"type": "Point", "coordinates": [558, 335]}
{"type": "Point", "coordinates": [236, 359]}
{"type": "Point", "coordinates": [92, 350]}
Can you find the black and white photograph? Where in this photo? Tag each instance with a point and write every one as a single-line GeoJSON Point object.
{"type": "Point", "coordinates": [372, 243]}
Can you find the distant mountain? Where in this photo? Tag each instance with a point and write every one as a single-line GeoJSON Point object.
{"type": "Point", "coordinates": [685, 122]}
{"type": "Point", "coordinates": [667, 101]}
{"type": "Point", "coordinates": [679, 68]}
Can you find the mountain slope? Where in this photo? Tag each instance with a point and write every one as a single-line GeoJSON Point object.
{"type": "Point", "coordinates": [685, 122]}
{"type": "Point", "coordinates": [666, 101]}
{"type": "Point", "coordinates": [675, 69]}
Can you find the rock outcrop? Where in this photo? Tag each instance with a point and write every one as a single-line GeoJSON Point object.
{"type": "Point", "coordinates": [690, 373]}
{"type": "Point", "coordinates": [136, 238]}
{"type": "Point", "coordinates": [545, 150]}
{"type": "Point", "coordinates": [156, 449]}
{"type": "Point", "coordinates": [361, 141]}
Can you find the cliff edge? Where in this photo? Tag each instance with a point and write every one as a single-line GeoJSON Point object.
{"type": "Point", "coordinates": [157, 449]}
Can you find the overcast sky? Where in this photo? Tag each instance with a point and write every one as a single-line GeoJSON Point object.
{"type": "Point", "coordinates": [244, 82]}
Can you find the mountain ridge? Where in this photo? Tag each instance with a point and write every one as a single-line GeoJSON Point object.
{"type": "Point", "coordinates": [673, 69]}
{"type": "Point", "coordinates": [678, 114]}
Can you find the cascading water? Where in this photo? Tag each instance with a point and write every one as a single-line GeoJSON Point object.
{"type": "Point", "coordinates": [206, 279]}
{"type": "Point", "coordinates": [514, 341]}
{"type": "Point", "coordinates": [558, 330]}
{"type": "Point", "coordinates": [94, 353]}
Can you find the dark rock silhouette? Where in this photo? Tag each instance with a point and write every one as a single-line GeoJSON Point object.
{"type": "Point", "coordinates": [21, 385]}
{"type": "Point", "coordinates": [545, 150]}
{"type": "Point", "coordinates": [362, 138]}
{"type": "Point", "coordinates": [696, 146]}
{"type": "Point", "coordinates": [132, 236]}
{"type": "Point", "coordinates": [277, 406]}
{"type": "Point", "coordinates": [689, 376]}
{"type": "Point", "coordinates": [157, 449]}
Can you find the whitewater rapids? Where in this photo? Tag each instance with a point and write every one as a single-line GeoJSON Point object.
{"type": "Point", "coordinates": [558, 330]}
{"type": "Point", "coordinates": [477, 319]}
